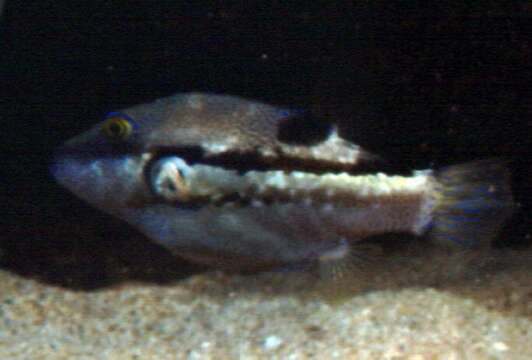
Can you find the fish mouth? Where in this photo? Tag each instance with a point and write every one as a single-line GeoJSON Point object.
{"type": "Point", "coordinates": [67, 164]}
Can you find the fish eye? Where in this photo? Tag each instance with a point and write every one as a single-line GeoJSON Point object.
{"type": "Point", "coordinates": [117, 127]}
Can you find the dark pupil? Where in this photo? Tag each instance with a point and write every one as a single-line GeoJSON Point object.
{"type": "Point", "coordinates": [115, 129]}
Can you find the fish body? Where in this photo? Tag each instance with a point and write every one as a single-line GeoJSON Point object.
{"type": "Point", "coordinates": [238, 184]}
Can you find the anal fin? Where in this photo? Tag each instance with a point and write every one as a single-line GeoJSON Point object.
{"type": "Point", "coordinates": [346, 270]}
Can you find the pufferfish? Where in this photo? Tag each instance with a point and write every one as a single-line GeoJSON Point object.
{"type": "Point", "coordinates": [237, 184]}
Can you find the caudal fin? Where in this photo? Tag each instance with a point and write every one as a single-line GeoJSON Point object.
{"type": "Point", "coordinates": [472, 202]}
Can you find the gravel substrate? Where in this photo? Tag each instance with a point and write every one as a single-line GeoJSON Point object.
{"type": "Point", "coordinates": [418, 310]}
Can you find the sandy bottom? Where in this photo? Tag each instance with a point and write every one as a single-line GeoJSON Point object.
{"type": "Point", "coordinates": [458, 306]}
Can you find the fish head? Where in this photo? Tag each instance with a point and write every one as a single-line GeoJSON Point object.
{"type": "Point", "coordinates": [103, 172]}
{"type": "Point", "coordinates": [107, 165]}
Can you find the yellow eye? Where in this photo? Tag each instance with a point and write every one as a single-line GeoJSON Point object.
{"type": "Point", "coordinates": [117, 128]}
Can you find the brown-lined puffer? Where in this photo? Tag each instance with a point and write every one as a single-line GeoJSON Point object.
{"type": "Point", "coordinates": [238, 184]}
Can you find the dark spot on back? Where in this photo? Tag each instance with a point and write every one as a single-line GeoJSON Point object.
{"type": "Point", "coordinates": [303, 129]}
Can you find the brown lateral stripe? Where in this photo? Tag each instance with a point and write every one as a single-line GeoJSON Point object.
{"type": "Point", "coordinates": [244, 162]}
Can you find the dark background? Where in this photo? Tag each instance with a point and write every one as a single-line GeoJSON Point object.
{"type": "Point", "coordinates": [423, 84]}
